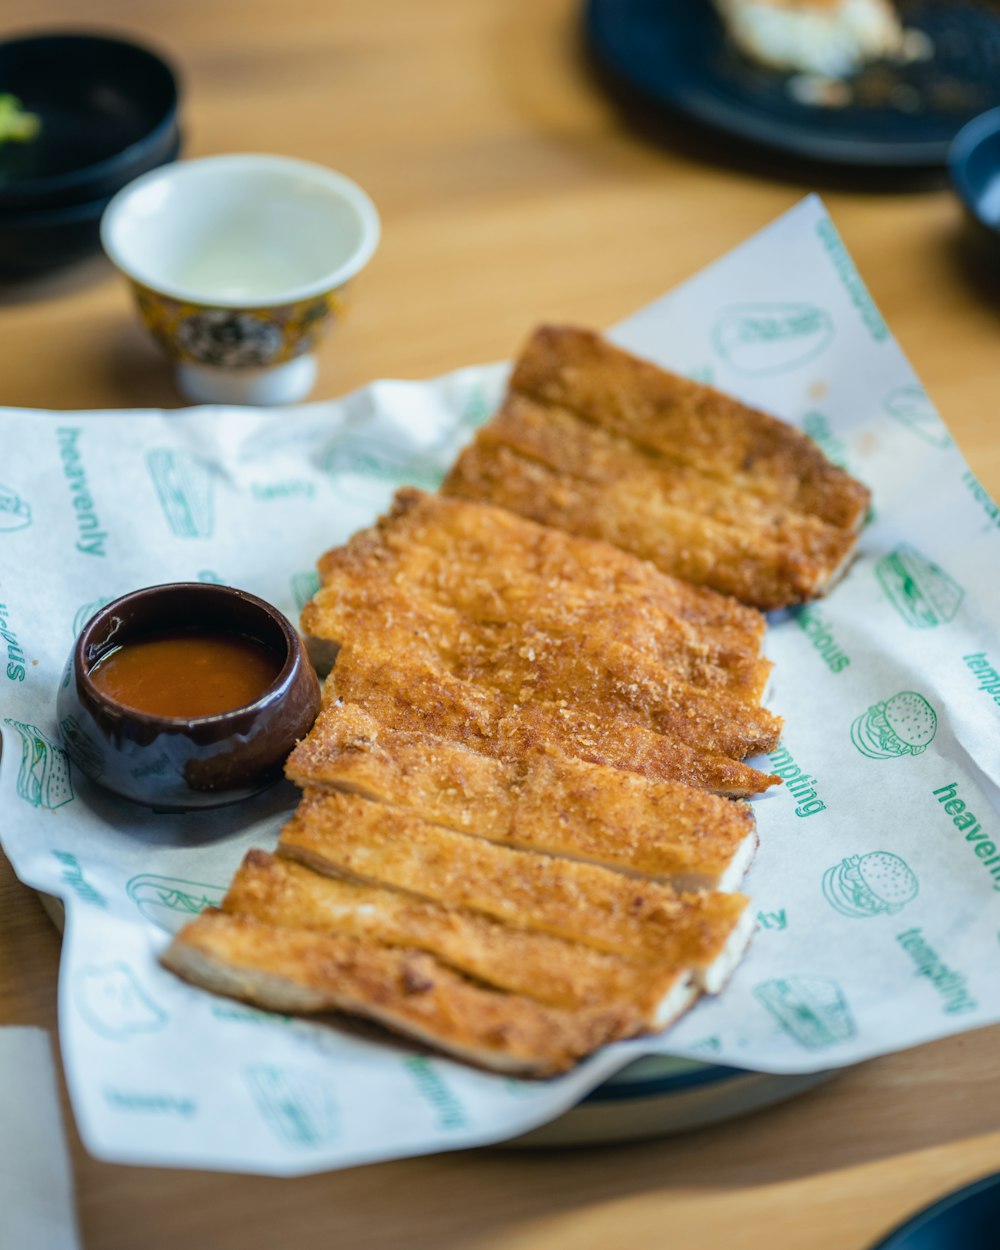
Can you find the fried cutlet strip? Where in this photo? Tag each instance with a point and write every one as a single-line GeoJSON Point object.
{"type": "Point", "coordinates": [731, 560]}
{"type": "Point", "coordinates": [452, 542]}
{"type": "Point", "coordinates": [606, 679]}
{"type": "Point", "coordinates": [686, 421]}
{"type": "Point", "coordinates": [422, 699]}
{"type": "Point", "coordinates": [294, 970]}
{"type": "Point", "coordinates": [666, 831]}
{"type": "Point", "coordinates": [632, 917]}
{"type": "Point", "coordinates": [805, 549]}
{"type": "Point", "coordinates": [564, 974]}
{"type": "Point", "coordinates": [491, 609]}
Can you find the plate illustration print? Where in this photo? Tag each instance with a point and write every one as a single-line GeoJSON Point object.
{"type": "Point", "coordinates": [677, 58]}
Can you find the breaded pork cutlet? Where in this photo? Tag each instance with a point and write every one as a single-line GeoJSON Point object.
{"type": "Point", "coordinates": [639, 919]}
{"type": "Point", "coordinates": [693, 480]}
{"type": "Point", "coordinates": [452, 543]}
{"type": "Point", "coordinates": [464, 601]}
{"type": "Point", "coordinates": [281, 892]}
{"type": "Point", "coordinates": [663, 830]}
{"type": "Point", "coordinates": [297, 970]}
{"type": "Point", "coordinates": [421, 698]}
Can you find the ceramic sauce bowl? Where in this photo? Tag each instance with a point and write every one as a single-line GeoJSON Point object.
{"type": "Point", "coordinates": [239, 266]}
{"type": "Point", "coordinates": [178, 762]}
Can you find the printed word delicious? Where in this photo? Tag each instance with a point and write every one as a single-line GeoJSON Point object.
{"type": "Point", "coordinates": [90, 537]}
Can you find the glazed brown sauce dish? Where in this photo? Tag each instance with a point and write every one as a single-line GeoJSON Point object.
{"type": "Point", "coordinates": [187, 695]}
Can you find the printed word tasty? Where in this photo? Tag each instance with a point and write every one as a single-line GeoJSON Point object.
{"type": "Point", "coordinates": [822, 639]}
{"type": "Point", "coordinates": [90, 537]}
{"type": "Point", "coordinates": [986, 674]}
{"type": "Point", "coordinates": [15, 656]}
{"type": "Point", "coordinates": [798, 783]}
{"type": "Point", "coordinates": [968, 824]}
{"type": "Point", "coordinates": [950, 985]}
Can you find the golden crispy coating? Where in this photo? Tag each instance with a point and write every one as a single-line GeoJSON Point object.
{"type": "Point", "coordinates": [687, 422]}
{"type": "Point", "coordinates": [633, 917]}
{"type": "Point", "coordinates": [281, 892]}
{"type": "Point", "coordinates": [422, 698]}
{"type": "Point", "coordinates": [496, 593]}
{"type": "Point", "coordinates": [450, 542]}
{"type": "Point", "coordinates": [408, 990]}
{"type": "Point", "coordinates": [730, 559]}
{"type": "Point", "coordinates": [525, 666]}
{"type": "Point", "coordinates": [663, 830]}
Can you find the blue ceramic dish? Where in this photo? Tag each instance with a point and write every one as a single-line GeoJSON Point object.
{"type": "Point", "coordinates": [965, 1220]}
{"type": "Point", "coordinates": [974, 165]}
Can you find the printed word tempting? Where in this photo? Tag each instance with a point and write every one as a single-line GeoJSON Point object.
{"type": "Point", "coordinates": [950, 985]}
{"type": "Point", "coordinates": [90, 537]}
{"type": "Point", "coordinates": [968, 825]}
{"type": "Point", "coordinates": [986, 673]}
{"type": "Point", "coordinates": [801, 786]}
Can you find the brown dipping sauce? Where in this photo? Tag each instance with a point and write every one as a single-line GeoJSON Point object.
{"type": "Point", "coordinates": [187, 674]}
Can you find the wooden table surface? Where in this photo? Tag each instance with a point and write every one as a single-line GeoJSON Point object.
{"type": "Point", "coordinates": [511, 190]}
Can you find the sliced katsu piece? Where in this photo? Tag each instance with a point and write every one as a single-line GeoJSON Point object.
{"type": "Point", "coordinates": [566, 443]}
{"type": "Point", "coordinates": [475, 613]}
{"type": "Point", "coordinates": [627, 916]}
{"type": "Point", "coordinates": [295, 970]}
{"type": "Point", "coordinates": [593, 440]}
{"type": "Point", "coordinates": [687, 421]}
{"type": "Point", "coordinates": [727, 558]}
{"type": "Point", "coordinates": [421, 698]}
{"type": "Point", "coordinates": [452, 542]}
{"type": "Point", "coordinates": [663, 830]}
{"type": "Point", "coordinates": [565, 974]}
{"type": "Point", "coordinates": [606, 680]}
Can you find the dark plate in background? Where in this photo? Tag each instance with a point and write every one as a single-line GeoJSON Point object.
{"type": "Point", "coordinates": [675, 55]}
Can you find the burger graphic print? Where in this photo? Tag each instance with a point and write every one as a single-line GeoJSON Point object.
{"type": "Point", "coordinates": [903, 725]}
{"type": "Point", "coordinates": [878, 884]}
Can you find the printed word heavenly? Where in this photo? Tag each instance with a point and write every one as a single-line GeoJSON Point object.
{"type": "Point", "coordinates": [90, 537]}
{"type": "Point", "coordinates": [968, 824]}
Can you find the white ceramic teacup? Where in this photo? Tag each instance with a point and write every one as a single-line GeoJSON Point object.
{"type": "Point", "coordinates": [238, 265]}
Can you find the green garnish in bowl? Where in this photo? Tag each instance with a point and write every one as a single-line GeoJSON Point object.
{"type": "Point", "coordinates": [16, 125]}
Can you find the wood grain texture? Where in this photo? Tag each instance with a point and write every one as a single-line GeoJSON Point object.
{"type": "Point", "coordinates": [511, 192]}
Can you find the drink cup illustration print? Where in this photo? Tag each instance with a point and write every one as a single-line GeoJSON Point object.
{"type": "Point", "coordinates": [903, 725]}
{"type": "Point", "coordinates": [114, 1004]}
{"type": "Point", "coordinates": [170, 902]}
{"type": "Point", "coordinates": [811, 1010]}
{"type": "Point", "coordinates": [15, 514]}
{"type": "Point", "coordinates": [921, 591]}
{"type": "Point", "coordinates": [910, 406]}
{"type": "Point", "coordinates": [184, 488]}
{"type": "Point", "coordinates": [85, 611]}
{"type": "Point", "coordinates": [877, 884]}
{"type": "Point", "coordinates": [298, 1107]}
{"type": "Point", "coordinates": [771, 338]}
{"type": "Point", "coordinates": [43, 778]}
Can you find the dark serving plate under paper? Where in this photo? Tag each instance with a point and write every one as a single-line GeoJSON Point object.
{"type": "Point", "coordinates": [676, 57]}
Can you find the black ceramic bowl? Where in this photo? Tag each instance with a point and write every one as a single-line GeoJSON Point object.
{"type": "Point", "coordinates": [965, 1220]}
{"type": "Point", "coordinates": [174, 763]}
{"type": "Point", "coordinates": [108, 111]}
{"type": "Point", "coordinates": [974, 165]}
{"type": "Point", "coordinates": [34, 240]}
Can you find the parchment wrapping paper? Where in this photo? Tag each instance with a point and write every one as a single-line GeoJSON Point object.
{"type": "Point", "coordinates": [877, 885]}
